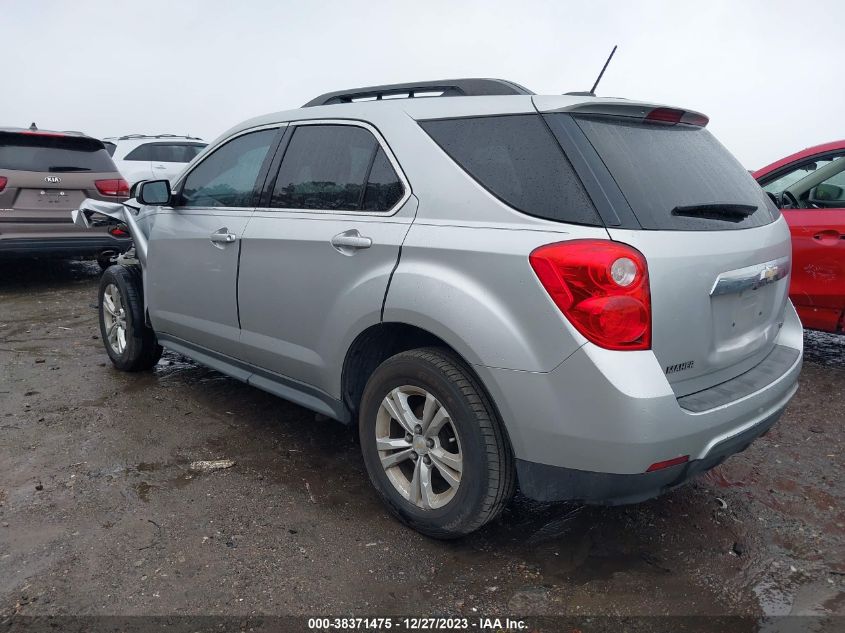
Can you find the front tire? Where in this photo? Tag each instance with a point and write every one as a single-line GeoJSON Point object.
{"type": "Point", "coordinates": [433, 445]}
{"type": "Point", "coordinates": [129, 342]}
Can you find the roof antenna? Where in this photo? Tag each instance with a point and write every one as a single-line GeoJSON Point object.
{"type": "Point", "coordinates": [33, 127]}
{"type": "Point", "coordinates": [592, 92]}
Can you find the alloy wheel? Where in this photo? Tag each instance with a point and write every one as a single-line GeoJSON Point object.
{"type": "Point", "coordinates": [114, 317]}
{"type": "Point", "coordinates": [419, 447]}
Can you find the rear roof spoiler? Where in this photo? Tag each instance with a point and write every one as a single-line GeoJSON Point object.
{"type": "Point", "coordinates": [446, 88]}
{"type": "Point", "coordinates": [633, 110]}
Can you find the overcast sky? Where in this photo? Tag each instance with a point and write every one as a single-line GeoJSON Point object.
{"type": "Point", "coordinates": [769, 74]}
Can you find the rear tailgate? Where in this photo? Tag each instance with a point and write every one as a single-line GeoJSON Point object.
{"type": "Point", "coordinates": [718, 251]}
{"type": "Point", "coordinates": [716, 305]}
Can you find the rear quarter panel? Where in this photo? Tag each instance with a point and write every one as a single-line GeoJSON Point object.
{"type": "Point", "coordinates": [474, 288]}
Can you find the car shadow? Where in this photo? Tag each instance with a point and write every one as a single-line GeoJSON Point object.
{"type": "Point", "coordinates": [40, 274]}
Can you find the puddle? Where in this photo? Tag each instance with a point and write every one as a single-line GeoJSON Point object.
{"type": "Point", "coordinates": [773, 599]}
{"type": "Point", "coordinates": [34, 275]}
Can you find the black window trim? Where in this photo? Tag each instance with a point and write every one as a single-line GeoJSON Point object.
{"type": "Point", "coordinates": [264, 205]}
{"type": "Point", "coordinates": [177, 187]}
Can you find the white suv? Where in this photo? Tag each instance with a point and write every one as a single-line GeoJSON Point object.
{"type": "Point", "coordinates": [143, 157]}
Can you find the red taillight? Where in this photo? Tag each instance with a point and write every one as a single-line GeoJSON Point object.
{"type": "Point", "coordinates": [665, 115]}
{"type": "Point", "coordinates": [672, 116]}
{"type": "Point", "coordinates": [668, 463]}
{"type": "Point", "coordinates": [3, 181]}
{"type": "Point", "coordinates": [601, 287]}
{"type": "Point", "coordinates": [119, 232]}
{"type": "Point", "coordinates": [113, 187]}
{"type": "Point", "coordinates": [40, 133]}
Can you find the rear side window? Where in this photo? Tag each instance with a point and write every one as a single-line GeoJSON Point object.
{"type": "Point", "coordinates": [517, 159]}
{"type": "Point", "coordinates": [37, 152]}
{"type": "Point", "coordinates": [677, 177]}
{"type": "Point", "coordinates": [335, 168]}
{"type": "Point", "coordinates": [227, 177]}
{"type": "Point", "coordinates": [165, 152]}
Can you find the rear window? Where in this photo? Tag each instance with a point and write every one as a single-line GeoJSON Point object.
{"type": "Point", "coordinates": [166, 152]}
{"type": "Point", "coordinates": [518, 160]}
{"type": "Point", "coordinates": [678, 177]}
{"type": "Point", "coordinates": [36, 152]}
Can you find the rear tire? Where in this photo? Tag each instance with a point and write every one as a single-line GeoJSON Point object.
{"type": "Point", "coordinates": [129, 342]}
{"type": "Point", "coordinates": [446, 468]}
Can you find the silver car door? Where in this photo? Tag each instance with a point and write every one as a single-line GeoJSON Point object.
{"type": "Point", "coordinates": [192, 264]}
{"type": "Point", "coordinates": [317, 259]}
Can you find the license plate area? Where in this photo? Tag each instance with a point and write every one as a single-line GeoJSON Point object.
{"type": "Point", "coordinates": [49, 199]}
{"type": "Point", "coordinates": [744, 305]}
{"type": "Point", "coordinates": [739, 319]}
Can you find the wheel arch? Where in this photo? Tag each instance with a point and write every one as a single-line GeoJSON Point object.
{"type": "Point", "coordinates": [379, 342]}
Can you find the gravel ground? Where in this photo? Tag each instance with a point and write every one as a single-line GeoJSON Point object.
{"type": "Point", "coordinates": [103, 511]}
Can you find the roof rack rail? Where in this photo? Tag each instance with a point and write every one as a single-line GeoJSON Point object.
{"type": "Point", "coordinates": [127, 137]}
{"type": "Point", "coordinates": [446, 88]}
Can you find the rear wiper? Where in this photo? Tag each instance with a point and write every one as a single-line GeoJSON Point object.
{"type": "Point", "coordinates": [56, 168]}
{"type": "Point", "coordinates": [716, 211]}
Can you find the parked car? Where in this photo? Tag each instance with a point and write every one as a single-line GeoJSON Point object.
{"type": "Point", "coordinates": [585, 296]}
{"type": "Point", "coordinates": [146, 157]}
{"type": "Point", "coordinates": [810, 188]}
{"type": "Point", "coordinates": [43, 176]}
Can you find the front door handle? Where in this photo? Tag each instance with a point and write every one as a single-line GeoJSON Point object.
{"type": "Point", "coordinates": [222, 236]}
{"type": "Point", "coordinates": [350, 241]}
{"type": "Point", "coordinates": [828, 236]}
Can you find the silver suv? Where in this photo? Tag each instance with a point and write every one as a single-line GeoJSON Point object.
{"type": "Point", "coordinates": [581, 296]}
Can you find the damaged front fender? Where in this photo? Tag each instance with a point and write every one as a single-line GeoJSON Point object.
{"type": "Point", "coordinates": [89, 213]}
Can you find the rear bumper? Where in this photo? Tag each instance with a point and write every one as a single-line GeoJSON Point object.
{"type": "Point", "coordinates": [555, 483]}
{"type": "Point", "coordinates": [62, 246]}
{"type": "Point", "coordinates": [601, 417]}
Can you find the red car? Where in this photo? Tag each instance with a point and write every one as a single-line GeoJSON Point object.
{"type": "Point", "coordinates": [809, 186]}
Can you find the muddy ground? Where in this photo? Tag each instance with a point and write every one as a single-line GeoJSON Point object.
{"type": "Point", "coordinates": [101, 511]}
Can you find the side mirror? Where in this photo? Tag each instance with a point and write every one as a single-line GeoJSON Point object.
{"type": "Point", "coordinates": [153, 192]}
{"type": "Point", "coordinates": [825, 195]}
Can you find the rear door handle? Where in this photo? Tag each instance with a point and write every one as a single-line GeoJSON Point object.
{"type": "Point", "coordinates": [222, 236]}
{"type": "Point", "coordinates": [350, 241]}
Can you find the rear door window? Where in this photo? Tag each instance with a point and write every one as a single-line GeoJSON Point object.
{"type": "Point", "coordinates": [677, 177]}
{"type": "Point", "coordinates": [335, 168]}
{"type": "Point", "coordinates": [165, 152]}
{"type": "Point", "coordinates": [228, 176]}
{"type": "Point", "coordinates": [43, 153]}
{"type": "Point", "coordinates": [518, 160]}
